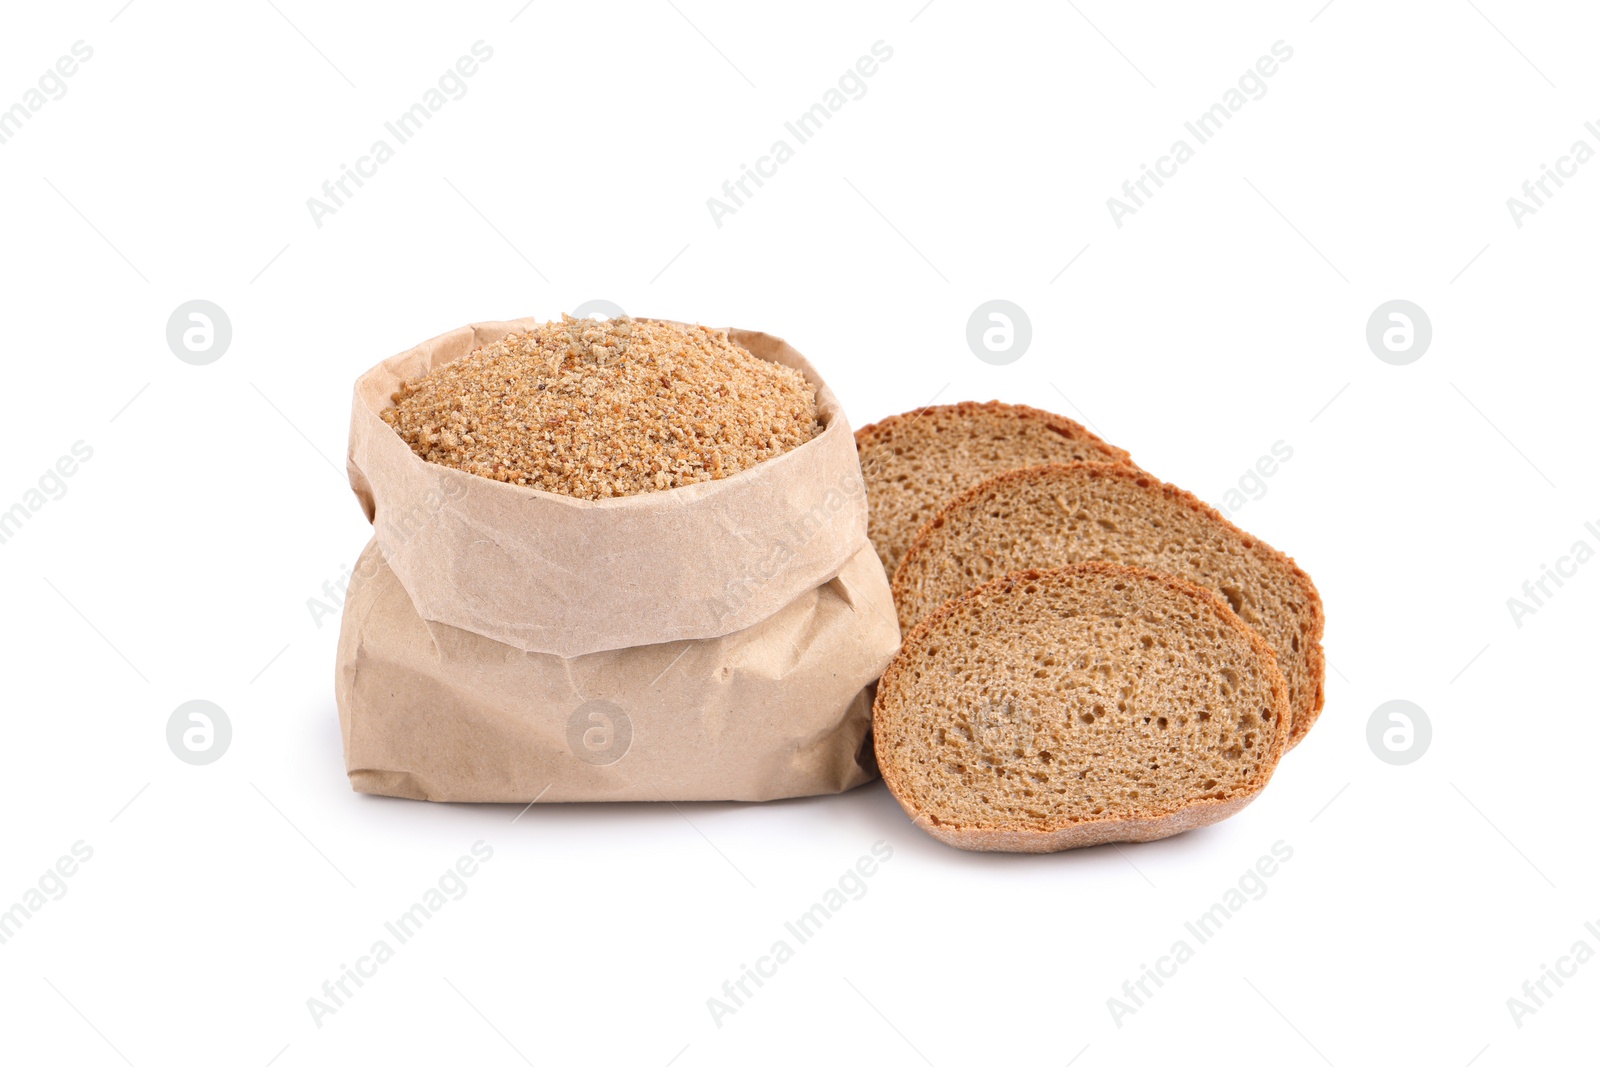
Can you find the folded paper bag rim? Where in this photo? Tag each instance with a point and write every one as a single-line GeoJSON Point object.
{"type": "Point", "coordinates": [565, 576]}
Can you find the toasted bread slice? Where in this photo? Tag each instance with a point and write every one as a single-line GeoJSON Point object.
{"type": "Point", "coordinates": [1055, 515]}
{"type": "Point", "coordinates": [1053, 709]}
{"type": "Point", "coordinates": [915, 462]}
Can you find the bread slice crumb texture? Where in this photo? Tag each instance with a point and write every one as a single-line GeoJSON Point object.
{"type": "Point", "coordinates": [914, 463]}
{"type": "Point", "coordinates": [1093, 703]}
{"type": "Point", "coordinates": [1060, 514]}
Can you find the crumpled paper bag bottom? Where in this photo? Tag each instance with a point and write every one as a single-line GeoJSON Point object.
{"type": "Point", "coordinates": [780, 709]}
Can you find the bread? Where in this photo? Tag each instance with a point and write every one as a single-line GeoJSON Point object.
{"type": "Point", "coordinates": [1094, 703]}
{"type": "Point", "coordinates": [915, 462]}
{"type": "Point", "coordinates": [1054, 515]}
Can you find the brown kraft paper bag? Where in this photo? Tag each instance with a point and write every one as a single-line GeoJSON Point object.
{"type": "Point", "coordinates": [717, 641]}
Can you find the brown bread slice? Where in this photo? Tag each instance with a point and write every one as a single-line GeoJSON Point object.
{"type": "Point", "coordinates": [1054, 515]}
{"type": "Point", "coordinates": [1053, 709]}
{"type": "Point", "coordinates": [915, 462]}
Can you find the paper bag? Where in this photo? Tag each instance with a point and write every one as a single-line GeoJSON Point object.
{"type": "Point", "coordinates": [717, 641]}
{"type": "Point", "coordinates": [551, 573]}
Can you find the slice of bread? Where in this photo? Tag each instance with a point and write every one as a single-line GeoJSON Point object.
{"type": "Point", "coordinates": [915, 462]}
{"type": "Point", "coordinates": [1055, 515]}
{"type": "Point", "coordinates": [1053, 709]}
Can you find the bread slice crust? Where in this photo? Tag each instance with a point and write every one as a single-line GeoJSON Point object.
{"type": "Point", "coordinates": [1063, 830]}
{"type": "Point", "coordinates": [1289, 614]}
{"type": "Point", "coordinates": [901, 497]}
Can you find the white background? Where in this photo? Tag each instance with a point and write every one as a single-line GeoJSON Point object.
{"type": "Point", "coordinates": [1226, 315]}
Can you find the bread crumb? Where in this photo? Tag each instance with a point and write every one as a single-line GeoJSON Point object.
{"type": "Point", "coordinates": [599, 409]}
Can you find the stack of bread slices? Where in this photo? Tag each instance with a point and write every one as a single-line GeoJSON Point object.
{"type": "Point", "coordinates": [1089, 654]}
